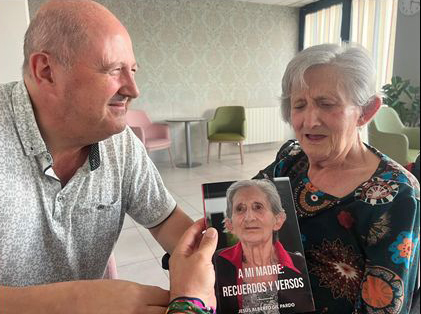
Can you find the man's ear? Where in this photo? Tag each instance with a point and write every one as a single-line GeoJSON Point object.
{"type": "Point", "coordinates": [40, 68]}
{"type": "Point", "coordinates": [369, 111]}
{"type": "Point", "coordinates": [279, 221]}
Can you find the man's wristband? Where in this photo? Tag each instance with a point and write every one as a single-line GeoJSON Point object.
{"type": "Point", "coordinates": [189, 305]}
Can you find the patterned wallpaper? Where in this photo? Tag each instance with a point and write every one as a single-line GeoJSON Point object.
{"type": "Point", "coordinates": [196, 55]}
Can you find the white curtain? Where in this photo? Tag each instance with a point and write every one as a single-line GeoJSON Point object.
{"type": "Point", "coordinates": [373, 25]}
{"type": "Point", "coordinates": [323, 26]}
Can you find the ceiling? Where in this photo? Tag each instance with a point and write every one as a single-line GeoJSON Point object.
{"type": "Point", "coordinates": [289, 3]}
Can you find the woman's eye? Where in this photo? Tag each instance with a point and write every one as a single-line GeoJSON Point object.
{"type": "Point", "coordinates": [258, 207]}
{"type": "Point", "coordinates": [298, 106]}
{"type": "Point", "coordinates": [326, 103]}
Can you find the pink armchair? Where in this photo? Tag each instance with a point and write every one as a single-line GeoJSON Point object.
{"type": "Point", "coordinates": [154, 136]}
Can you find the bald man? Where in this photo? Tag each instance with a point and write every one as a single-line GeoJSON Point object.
{"type": "Point", "coordinates": [70, 169]}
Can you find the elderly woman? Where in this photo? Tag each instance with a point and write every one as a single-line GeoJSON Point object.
{"type": "Point", "coordinates": [249, 272]}
{"type": "Point", "coordinates": [358, 210]}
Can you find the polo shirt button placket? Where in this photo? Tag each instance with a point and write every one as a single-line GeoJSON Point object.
{"type": "Point", "coordinates": [48, 158]}
{"type": "Point", "coordinates": [59, 205]}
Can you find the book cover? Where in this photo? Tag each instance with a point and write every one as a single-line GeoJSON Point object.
{"type": "Point", "coordinates": [259, 262]}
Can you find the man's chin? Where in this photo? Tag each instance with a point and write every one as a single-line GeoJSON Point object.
{"type": "Point", "coordinates": [117, 121]}
{"type": "Point", "coordinates": [116, 128]}
{"type": "Point", "coordinates": [120, 128]}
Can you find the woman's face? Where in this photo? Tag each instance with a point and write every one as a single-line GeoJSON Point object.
{"type": "Point", "coordinates": [252, 219]}
{"type": "Point", "coordinates": [323, 116]}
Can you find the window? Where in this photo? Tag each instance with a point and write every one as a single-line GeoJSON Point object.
{"type": "Point", "coordinates": [371, 23]}
{"type": "Point", "coordinates": [324, 21]}
{"type": "Point", "coordinates": [323, 26]}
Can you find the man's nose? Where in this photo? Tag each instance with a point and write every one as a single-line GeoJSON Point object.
{"type": "Point", "coordinates": [129, 86]}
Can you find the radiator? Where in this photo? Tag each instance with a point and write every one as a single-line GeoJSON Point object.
{"type": "Point", "coordinates": [264, 125]}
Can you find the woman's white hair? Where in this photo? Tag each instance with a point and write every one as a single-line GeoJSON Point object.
{"type": "Point", "coordinates": [266, 186]}
{"type": "Point", "coordinates": [352, 62]}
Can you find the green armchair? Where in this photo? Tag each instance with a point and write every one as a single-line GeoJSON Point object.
{"type": "Point", "coordinates": [388, 134]}
{"type": "Point", "coordinates": [227, 126]}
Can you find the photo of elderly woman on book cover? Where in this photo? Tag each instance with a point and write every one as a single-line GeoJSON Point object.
{"type": "Point", "coordinates": [259, 263]}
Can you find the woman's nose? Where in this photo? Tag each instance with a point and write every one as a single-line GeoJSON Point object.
{"type": "Point", "coordinates": [311, 117]}
{"type": "Point", "coordinates": [249, 214]}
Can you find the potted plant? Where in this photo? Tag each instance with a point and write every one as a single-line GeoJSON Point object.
{"type": "Point", "coordinates": [405, 99]}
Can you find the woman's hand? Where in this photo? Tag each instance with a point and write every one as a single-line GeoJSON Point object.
{"type": "Point", "coordinates": [191, 269]}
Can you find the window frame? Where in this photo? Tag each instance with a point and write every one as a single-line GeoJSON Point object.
{"type": "Point", "coordinates": [320, 5]}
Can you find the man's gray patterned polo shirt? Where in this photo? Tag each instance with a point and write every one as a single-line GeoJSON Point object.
{"type": "Point", "coordinates": [49, 233]}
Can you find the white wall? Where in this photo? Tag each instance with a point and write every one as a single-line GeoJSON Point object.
{"type": "Point", "coordinates": [14, 20]}
{"type": "Point", "coordinates": [407, 48]}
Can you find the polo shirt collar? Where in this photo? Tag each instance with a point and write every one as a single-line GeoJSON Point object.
{"type": "Point", "coordinates": [27, 127]}
{"type": "Point", "coordinates": [94, 157]}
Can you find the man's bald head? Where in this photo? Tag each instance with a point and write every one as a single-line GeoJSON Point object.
{"type": "Point", "coordinates": [63, 28]}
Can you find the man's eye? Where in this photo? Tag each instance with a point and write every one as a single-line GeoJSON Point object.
{"type": "Point", "coordinates": [116, 71]}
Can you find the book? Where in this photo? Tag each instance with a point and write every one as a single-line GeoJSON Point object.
{"type": "Point", "coordinates": [259, 261]}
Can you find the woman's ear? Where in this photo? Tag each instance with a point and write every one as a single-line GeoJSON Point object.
{"type": "Point", "coordinates": [279, 221]}
{"type": "Point", "coordinates": [369, 111]}
{"type": "Point", "coordinates": [228, 224]}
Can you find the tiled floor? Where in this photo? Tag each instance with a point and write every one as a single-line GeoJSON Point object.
{"type": "Point", "coordinates": [138, 255]}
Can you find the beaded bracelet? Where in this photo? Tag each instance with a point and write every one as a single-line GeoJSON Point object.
{"type": "Point", "coordinates": [189, 305]}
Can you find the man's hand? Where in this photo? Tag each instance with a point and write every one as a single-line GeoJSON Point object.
{"type": "Point", "coordinates": [117, 296]}
{"type": "Point", "coordinates": [191, 269]}
{"type": "Point", "coordinates": [91, 296]}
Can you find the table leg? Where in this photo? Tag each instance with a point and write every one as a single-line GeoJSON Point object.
{"type": "Point", "coordinates": [189, 163]}
{"type": "Point", "coordinates": [188, 145]}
